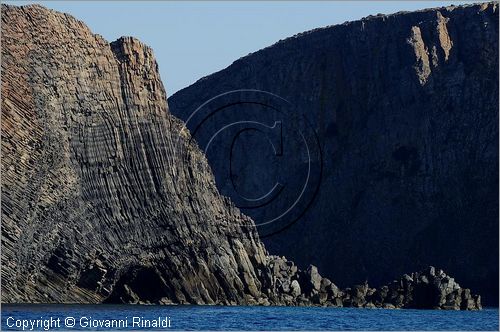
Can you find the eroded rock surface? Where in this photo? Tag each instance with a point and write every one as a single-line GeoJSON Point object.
{"type": "Point", "coordinates": [428, 289]}
{"type": "Point", "coordinates": [101, 199]}
{"type": "Point", "coordinates": [405, 107]}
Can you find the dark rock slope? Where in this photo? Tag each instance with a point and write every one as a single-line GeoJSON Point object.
{"type": "Point", "coordinates": [405, 108]}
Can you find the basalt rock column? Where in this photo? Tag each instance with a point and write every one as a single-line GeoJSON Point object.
{"type": "Point", "coordinates": [101, 198]}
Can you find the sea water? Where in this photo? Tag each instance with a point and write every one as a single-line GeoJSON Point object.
{"type": "Point", "coordinates": [162, 318]}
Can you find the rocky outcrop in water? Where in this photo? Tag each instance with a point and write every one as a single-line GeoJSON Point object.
{"type": "Point", "coordinates": [427, 289]}
{"type": "Point", "coordinates": [405, 108]}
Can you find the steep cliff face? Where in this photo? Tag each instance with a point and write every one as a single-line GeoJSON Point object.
{"type": "Point", "coordinates": [106, 199]}
{"type": "Point", "coordinates": [405, 108]}
{"type": "Point", "coordinates": [102, 200]}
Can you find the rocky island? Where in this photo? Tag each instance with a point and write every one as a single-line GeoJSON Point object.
{"type": "Point", "coordinates": [106, 199]}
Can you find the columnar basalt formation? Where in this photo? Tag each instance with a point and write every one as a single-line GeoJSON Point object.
{"type": "Point", "coordinates": [106, 199]}
{"type": "Point", "coordinates": [101, 198]}
{"type": "Point", "coordinates": [406, 111]}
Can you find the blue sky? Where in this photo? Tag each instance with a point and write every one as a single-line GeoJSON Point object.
{"type": "Point", "coordinates": [195, 39]}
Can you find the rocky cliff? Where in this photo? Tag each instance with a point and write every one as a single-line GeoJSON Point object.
{"type": "Point", "coordinates": [106, 198]}
{"type": "Point", "coordinates": [405, 111]}
{"type": "Point", "coordinates": [102, 200]}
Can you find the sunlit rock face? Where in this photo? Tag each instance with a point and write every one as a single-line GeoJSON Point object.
{"type": "Point", "coordinates": [102, 200]}
{"type": "Point", "coordinates": [405, 108]}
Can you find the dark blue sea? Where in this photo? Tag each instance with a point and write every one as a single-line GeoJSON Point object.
{"type": "Point", "coordinates": [129, 317]}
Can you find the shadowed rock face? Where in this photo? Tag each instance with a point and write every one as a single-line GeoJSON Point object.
{"type": "Point", "coordinates": [405, 107]}
{"type": "Point", "coordinates": [101, 199]}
